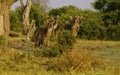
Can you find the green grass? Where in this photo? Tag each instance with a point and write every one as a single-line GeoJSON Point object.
{"type": "Point", "coordinates": [16, 62]}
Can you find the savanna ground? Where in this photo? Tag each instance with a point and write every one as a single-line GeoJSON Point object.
{"type": "Point", "coordinates": [87, 58]}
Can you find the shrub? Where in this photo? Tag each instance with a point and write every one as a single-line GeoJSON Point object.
{"type": "Point", "coordinates": [16, 20]}
{"type": "Point", "coordinates": [51, 51]}
{"type": "Point", "coordinates": [66, 40]}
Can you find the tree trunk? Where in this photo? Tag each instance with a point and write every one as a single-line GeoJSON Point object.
{"type": "Point", "coordinates": [31, 30]}
{"type": "Point", "coordinates": [22, 4]}
{"type": "Point", "coordinates": [4, 7]}
{"type": "Point", "coordinates": [6, 26]}
{"type": "Point", "coordinates": [1, 23]}
{"type": "Point", "coordinates": [26, 12]}
{"type": "Point", "coordinates": [6, 29]}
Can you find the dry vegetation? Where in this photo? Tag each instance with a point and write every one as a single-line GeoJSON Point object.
{"type": "Point", "coordinates": [87, 58]}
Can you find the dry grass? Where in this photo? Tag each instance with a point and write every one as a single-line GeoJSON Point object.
{"type": "Point", "coordinates": [87, 58]}
{"type": "Point", "coordinates": [80, 63]}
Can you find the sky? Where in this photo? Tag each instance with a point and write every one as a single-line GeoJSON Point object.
{"type": "Point", "coordinates": [82, 4]}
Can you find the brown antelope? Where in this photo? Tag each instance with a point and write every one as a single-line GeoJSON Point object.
{"type": "Point", "coordinates": [38, 36]}
{"type": "Point", "coordinates": [42, 35]}
{"type": "Point", "coordinates": [75, 26]}
{"type": "Point", "coordinates": [46, 40]}
{"type": "Point", "coordinates": [55, 25]}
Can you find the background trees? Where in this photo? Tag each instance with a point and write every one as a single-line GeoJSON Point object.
{"type": "Point", "coordinates": [35, 14]}
{"type": "Point", "coordinates": [4, 7]}
{"type": "Point", "coordinates": [91, 27]}
{"type": "Point", "coordinates": [102, 24]}
{"type": "Point", "coordinates": [16, 20]}
{"type": "Point", "coordinates": [110, 10]}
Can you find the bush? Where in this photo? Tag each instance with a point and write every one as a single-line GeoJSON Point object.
{"type": "Point", "coordinates": [66, 40]}
{"type": "Point", "coordinates": [91, 26]}
{"type": "Point", "coordinates": [51, 51]}
{"type": "Point", "coordinates": [16, 20]}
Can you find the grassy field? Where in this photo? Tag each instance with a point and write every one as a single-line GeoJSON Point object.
{"type": "Point", "coordinates": [92, 58]}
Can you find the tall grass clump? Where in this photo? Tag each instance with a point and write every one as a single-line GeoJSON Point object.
{"type": "Point", "coordinates": [79, 63]}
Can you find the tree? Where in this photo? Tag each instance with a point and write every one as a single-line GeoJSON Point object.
{"type": "Point", "coordinates": [92, 26]}
{"type": "Point", "coordinates": [27, 26]}
{"type": "Point", "coordinates": [5, 5]}
{"type": "Point", "coordinates": [40, 16]}
{"type": "Point", "coordinates": [1, 21]}
{"type": "Point", "coordinates": [110, 10]}
{"type": "Point", "coordinates": [106, 5]}
{"type": "Point", "coordinates": [65, 13]}
{"type": "Point", "coordinates": [26, 12]}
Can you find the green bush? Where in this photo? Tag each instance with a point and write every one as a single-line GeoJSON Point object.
{"type": "Point", "coordinates": [16, 20]}
{"type": "Point", "coordinates": [64, 45]}
{"type": "Point", "coordinates": [51, 51]}
{"type": "Point", "coordinates": [92, 26]}
{"type": "Point", "coordinates": [66, 40]}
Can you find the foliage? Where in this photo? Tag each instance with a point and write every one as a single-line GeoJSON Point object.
{"type": "Point", "coordinates": [38, 14]}
{"type": "Point", "coordinates": [102, 24]}
{"type": "Point", "coordinates": [51, 51]}
{"type": "Point", "coordinates": [91, 26]}
{"type": "Point", "coordinates": [16, 20]}
{"type": "Point", "coordinates": [35, 14]}
{"type": "Point", "coordinates": [66, 10]}
{"type": "Point", "coordinates": [66, 40]}
{"type": "Point", "coordinates": [110, 10]}
{"type": "Point", "coordinates": [65, 13]}
{"type": "Point", "coordinates": [63, 44]}
{"type": "Point", "coordinates": [106, 5]}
